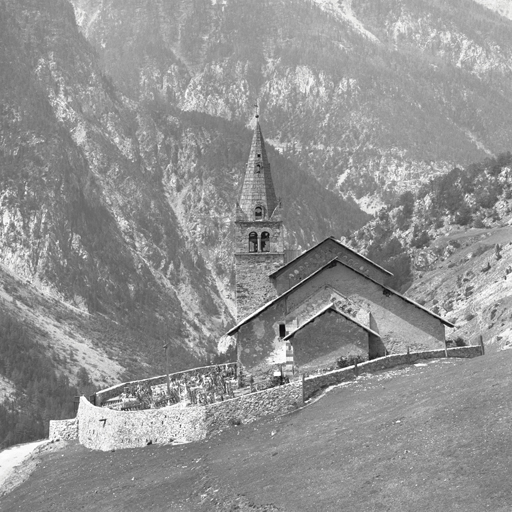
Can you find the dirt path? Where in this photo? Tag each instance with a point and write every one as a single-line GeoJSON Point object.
{"type": "Point", "coordinates": [12, 458]}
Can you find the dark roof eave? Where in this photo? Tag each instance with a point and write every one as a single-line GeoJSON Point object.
{"type": "Point", "coordinates": [334, 260]}
{"type": "Point", "coordinates": [279, 270]}
{"type": "Point", "coordinates": [331, 307]}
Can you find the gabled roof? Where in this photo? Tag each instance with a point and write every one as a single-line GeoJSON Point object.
{"type": "Point", "coordinates": [283, 268]}
{"type": "Point", "coordinates": [330, 264]}
{"type": "Point", "coordinates": [331, 307]}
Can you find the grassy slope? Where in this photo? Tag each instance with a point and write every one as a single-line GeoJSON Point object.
{"type": "Point", "coordinates": [433, 437]}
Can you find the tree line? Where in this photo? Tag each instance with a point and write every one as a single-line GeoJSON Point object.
{"type": "Point", "coordinates": [41, 393]}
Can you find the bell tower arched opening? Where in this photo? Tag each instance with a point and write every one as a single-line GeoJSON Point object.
{"type": "Point", "coordinates": [265, 241]}
{"type": "Point", "coordinates": [253, 242]}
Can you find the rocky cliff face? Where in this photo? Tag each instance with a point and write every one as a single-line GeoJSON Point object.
{"type": "Point", "coordinates": [81, 213]}
{"type": "Point", "coordinates": [119, 204]}
{"type": "Point", "coordinates": [503, 7]}
{"type": "Point", "coordinates": [456, 233]}
{"type": "Point", "coordinates": [120, 160]}
{"type": "Point", "coordinates": [372, 97]}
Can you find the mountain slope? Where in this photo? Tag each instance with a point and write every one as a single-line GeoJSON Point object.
{"type": "Point", "coordinates": [122, 208]}
{"type": "Point", "coordinates": [372, 97]}
{"type": "Point", "coordinates": [75, 197]}
{"type": "Point", "coordinates": [503, 7]}
{"type": "Point", "coordinates": [455, 233]}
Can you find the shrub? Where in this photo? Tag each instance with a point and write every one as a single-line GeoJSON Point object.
{"type": "Point", "coordinates": [463, 216]}
{"type": "Point", "coordinates": [421, 240]}
{"type": "Point", "coordinates": [469, 317]}
{"type": "Point", "coordinates": [459, 342]}
{"type": "Point", "coordinates": [477, 223]}
{"type": "Point", "coordinates": [343, 362]}
{"type": "Point", "coordinates": [274, 380]}
{"type": "Point", "coordinates": [486, 268]}
{"type": "Point", "coordinates": [448, 306]}
{"type": "Point", "coordinates": [439, 223]}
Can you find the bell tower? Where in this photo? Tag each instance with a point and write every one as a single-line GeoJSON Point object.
{"type": "Point", "coordinates": [259, 246]}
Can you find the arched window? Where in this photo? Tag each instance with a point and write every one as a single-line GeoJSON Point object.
{"type": "Point", "coordinates": [253, 242]}
{"type": "Point", "coordinates": [265, 242]}
{"type": "Point", "coordinates": [258, 213]}
{"type": "Point", "coordinates": [258, 169]}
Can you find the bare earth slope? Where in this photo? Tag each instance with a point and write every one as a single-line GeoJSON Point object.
{"type": "Point", "coordinates": [430, 437]}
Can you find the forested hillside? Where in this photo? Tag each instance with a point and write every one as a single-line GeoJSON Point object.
{"type": "Point", "coordinates": [450, 247]}
{"type": "Point", "coordinates": [371, 97]}
{"type": "Point", "coordinates": [40, 392]}
{"type": "Point", "coordinates": [404, 235]}
{"type": "Point", "coordinates": [115, 233]}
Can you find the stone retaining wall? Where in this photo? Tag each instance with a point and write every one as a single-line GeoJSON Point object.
{"type": "Point", "coordinates": [106, 394]}
{"type": "Point", "coordinates": [101, 428]}
{"type": "Point", "coordinates": [315, 383]}
{"type": "Point", "coordinates": [250, 407]}
{"type": "Point", "coordinates": [63, 430]}
{"type": "Point", "coordinates": [106, 429]}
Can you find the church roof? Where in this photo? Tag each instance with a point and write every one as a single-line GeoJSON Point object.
{"type": "Point", "coordinates": [295, 260]}
{"type": "Point", "coordinates": [332, 263]}
{"type": "Point", "coordinates": [257, 186]}
{"type": "Point", "coordinates": [331, 307]}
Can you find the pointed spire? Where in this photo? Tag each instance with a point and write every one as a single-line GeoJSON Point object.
{"type": "Point", "coordinates": [257, 188]}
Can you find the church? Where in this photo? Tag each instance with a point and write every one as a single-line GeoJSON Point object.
{"type": "Point", "coordinates": [304, 313]}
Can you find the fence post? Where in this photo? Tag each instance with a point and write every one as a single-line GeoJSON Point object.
{"type": "Point", "coordinates": [356, 370]}
{"type": "Point", "coordinates": [482, 347]}
{"type": "Point", "coordinates": [445, 348]}
{"type": "Point", "coordinates": [166, 348]}
{"type": "Point", "coordinates": [408, 355]}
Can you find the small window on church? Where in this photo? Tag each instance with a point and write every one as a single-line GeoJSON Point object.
{"type": "Point", "coordinates": [258, 168]}
{"type": "Point", "coordinates": [259, 155]}
{"type": "Point", "coordinates": [282, 330]}
{"type": "Point", "coordinates": [258, 213]}
{"type": "Point", "coordinates": [253, 242]}
{"type": "Point", "coordinates": [265, 242]}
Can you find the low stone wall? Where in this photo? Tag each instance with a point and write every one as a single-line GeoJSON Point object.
{"type": "Point", "coordinates": [315, 383]}
{"type": "Point", "coordinates": [468, 352]}
{"type": "Point", "coordinates": [101, 428]}
{"type": "Point", "coordinates": [63, 430]}
{"type": "Point", "coordinates": [105, 394]}
{"type": "Point", "coordinates": [250, 407]}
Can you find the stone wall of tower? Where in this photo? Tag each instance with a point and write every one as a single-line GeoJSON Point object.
{"type": "Point", "coordinates": [273, 228]}
{"type": "Point", "coordinates": [253, 286]}
{"type": "Point", "coordinates": [257, 211]}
